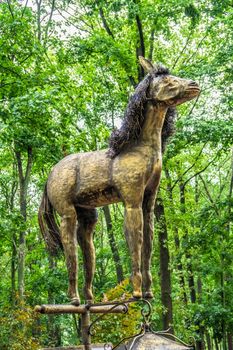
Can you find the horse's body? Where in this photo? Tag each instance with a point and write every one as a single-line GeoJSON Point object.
{"type": "Point", "coordinates": [128, 173]}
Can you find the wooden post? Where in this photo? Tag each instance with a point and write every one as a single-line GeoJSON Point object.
{"type": "Point", "coordinates": [85, 311]}
{"type": "Point", "coordinates": [85, 324]}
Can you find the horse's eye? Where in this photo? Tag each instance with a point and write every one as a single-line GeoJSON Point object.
{"type": "Point", "coordinates": [173, 83]}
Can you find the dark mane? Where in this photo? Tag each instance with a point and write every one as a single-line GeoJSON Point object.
{"type": "Point", "coordinates": [134, 117]}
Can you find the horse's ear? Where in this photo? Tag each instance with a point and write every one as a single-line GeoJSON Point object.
{"type": "Point", "coordinates": [146, 64]}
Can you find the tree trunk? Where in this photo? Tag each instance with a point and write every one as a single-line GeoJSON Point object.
{"type": "Point", "coordinates": [229, 335]}
{"type": "Point", "coordinates": [53, 328]}
{"type": "Point", "coordinates": [113, 245]}
{"type": "Point", "coordinates": [13, 242]}
{"type": "Point", "coordinates": [105, 24]}
{"type": "Point", "coordinates": [193, 296]}
{"type": "Point", "coordinates": [152, 38]}
{"type": "Point", "coordinates": [223, 299]}
{"type": "Point", "coordinates": [191, 282]}
{"type": "Point", "coordinates": [208, 340]}
{"type": "Point", "coordinates": [200, 343]}
{"type": "Point", "coordinates": [140, 47]}
{"type": "Point", "coordinates": [176, 239]}
{"type": "Point", "coordinates": [229, 341]}
{"type": "Point", "coordinates": [13, 270]}
{"type": "Point", "coordinates": [230, 197]}
{"type": "Point", "coordinates": [216, 344]}
{"type": "Point", "coordinates": [23, 187]}
{"type": "Point", "coordinates": [165, 274]}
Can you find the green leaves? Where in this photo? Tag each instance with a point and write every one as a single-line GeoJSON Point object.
{"type": "Point", "coordinates": [65, 77]}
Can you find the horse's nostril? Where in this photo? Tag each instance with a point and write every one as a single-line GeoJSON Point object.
{"type": "Point", "coordinates": [193, 83]}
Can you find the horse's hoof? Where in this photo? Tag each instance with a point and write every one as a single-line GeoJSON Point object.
{"type": "Point", "coordinates": [88, 295]}
{"type": "Point", "coordinates": [148, 295]}
{"type": "Point", "coordinates": [75, 301]}
{"type": "Point", "coordinates": [137, 295]}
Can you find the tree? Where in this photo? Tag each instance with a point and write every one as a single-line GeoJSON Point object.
{"type": "Point", "coordinates": [66, 71]}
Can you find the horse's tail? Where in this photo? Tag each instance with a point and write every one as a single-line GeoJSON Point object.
{"type": "Point", "coordinates": [48, 225]}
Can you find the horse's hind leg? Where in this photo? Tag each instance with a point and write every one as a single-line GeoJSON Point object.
{"type": "Point", "coordinates": [148, 235]}
{"type": "Point", "coordinates": [87, 219]}
{"type": "Point", "coordinates": [133, 226]}
{"type": "Point", "coordinates": [69, 242]}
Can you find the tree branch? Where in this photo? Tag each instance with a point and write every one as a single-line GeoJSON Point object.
{"type": "Point", "coordinates": [38, 3]}
{"type": "Point", "coordinates": [20, 167]}
{"type": "Point", "coordinates": [141, 48]}
{"type": "Point", "coordinates": [108, 30]}
{"type": "Point", "coordinates": [231, 183]}
{"type": "Point", "coordinates": [24, 179]}
{"type": "Point", "coordinates": [25, 6]}
{"type": "Point", "coordinates": [187, 170]}
{"type": "Point", "coordinates": [11, 70]}
{"type": "Point", "coordinates": [48, 23]}
{"type": "Point", "coordinates": [182, 51]}
{"type": "Point", "coordinates": [10, 9]}
{"type": "Point", "coordinates": [193, 105]}
{"type": "Point", "coordinates": [25, 59]}
{"type": "Point", "coordinates": [208, 194]}
{"type": "Point", "coordinates": [152, 38]}
{"type": "Point", "coordinates": [185, 61]}
{"type": "Point", "coordinates": [105, 24]}
{"type": "Point", "coordinates": [201, 171]}
{"type": "Point", "coordinates": [29, 165]}
{"type": "Point", "coordinates": [2, 85]}
{"type": "Point", "coordinates": [71, 23]}
{"type": "Point", "coordinates": [230, 196]}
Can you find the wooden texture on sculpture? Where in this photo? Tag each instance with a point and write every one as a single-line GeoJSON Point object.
{"type": "Point", "coordinates": [129, 172]}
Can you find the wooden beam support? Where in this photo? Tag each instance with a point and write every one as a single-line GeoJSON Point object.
{"type": "Point", "coordinates": [85, 311]}
{"type": "Point", "coordinates": [81, 309]}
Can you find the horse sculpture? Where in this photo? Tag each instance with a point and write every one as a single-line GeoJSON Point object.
{"type": "Point", "coordinates": [129, 172]}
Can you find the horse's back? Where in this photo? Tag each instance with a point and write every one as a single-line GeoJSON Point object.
{"type": "Point", "coordinates": [62, 182]}
{"type": "Point", "coordinates": [94, 171]}
{"type": "Point", "coordinates": [79, 178]}
{"type": "Point", "coordinates": [94, 183]}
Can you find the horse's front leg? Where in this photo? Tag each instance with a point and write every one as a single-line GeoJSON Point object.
{"type": "Point", "coordinates": [133, 227]}
{"type": "Point", "coordinates": [148, 235]}
{"type": "Point", "coordinates": [69, 242]}
{"type": "Point", "coordinates": [148, 230]}
{"type": "Point", "coordinates": [87, 219]}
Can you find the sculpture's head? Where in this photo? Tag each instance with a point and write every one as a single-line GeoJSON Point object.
{"type": "Point", "coordinates": [167, 88]}
{"type": "Point", "coordinates": [164, 89]}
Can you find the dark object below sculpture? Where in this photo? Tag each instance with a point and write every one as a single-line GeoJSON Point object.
{"type": "Point", "coordinates": [80, 347]}
{"type": "Point", "coordinates": [65, 348]}
{"type": "Point", "coordinates": [152, 341]}
{"type": "Point", "coordinates": [146, 339]}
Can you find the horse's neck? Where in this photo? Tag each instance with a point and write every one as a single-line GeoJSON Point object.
{"type": "Point", "coordinates": [152, 127]}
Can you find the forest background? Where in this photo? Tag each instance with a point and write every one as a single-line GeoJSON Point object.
{"type": "Point", "coordinates": [67, 69]}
